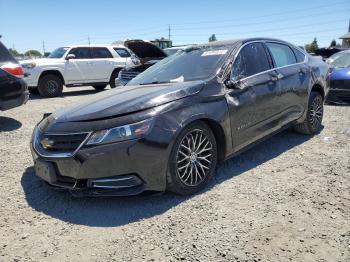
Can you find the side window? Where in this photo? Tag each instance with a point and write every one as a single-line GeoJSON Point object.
{"type": "Point", "coordinates": [251, 60]}
{"type": "Point", "coordinates": [81, 52]}
{"type": "Point", "coordinates": [299, 56]}
{"type": "Point", "coordinates": [122, 52]}
{"type": "Point", "coordinates": [282, 54]}
{"type": "Point", "coordinates": [101, 52]}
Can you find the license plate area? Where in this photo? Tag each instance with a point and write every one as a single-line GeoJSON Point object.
{"type": "Point", "coordinates": [46, 171]}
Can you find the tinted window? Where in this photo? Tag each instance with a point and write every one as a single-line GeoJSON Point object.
{"type": "Point", "coordinates": [251, 60]}
{"type": "Point", "coordinates": [101, 52]}
{"type": "Point", "coordinates": [81, 52]}
{"type": "Point", "coordinates": [299, 55]}
{"type": "Point", "coordinates": [5, 55]}
{"type": "Point", "coordinates": [122, 52]}
{"type": "Point", "coordinates": [282, 54]}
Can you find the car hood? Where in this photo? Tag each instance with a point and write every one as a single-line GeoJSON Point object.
{"type": "Point", "coordinates": [145, 50]}
{"type": "Point", "coordinates": [126, 100]}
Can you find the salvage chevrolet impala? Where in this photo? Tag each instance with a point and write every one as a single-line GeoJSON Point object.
{"type": "Point", "coordinates": [171, 125]}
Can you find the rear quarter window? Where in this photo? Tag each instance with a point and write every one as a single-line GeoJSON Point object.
{"type": "Point", "coordinates": [101, 52]}
{"type": "Point", "coordinates": [122, 52]}
{"type": "Point", "coordinates": [299, 55]}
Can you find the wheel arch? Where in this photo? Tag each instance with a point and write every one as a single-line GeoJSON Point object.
{"type": "Point", "coordinates": [52, 72]}
{"type": "Point", "coordinates": [318, 88]}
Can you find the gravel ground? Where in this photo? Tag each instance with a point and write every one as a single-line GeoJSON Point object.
{"type": "Point", "coordinates": [286, 199]}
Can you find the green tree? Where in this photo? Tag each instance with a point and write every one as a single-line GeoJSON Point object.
{"type": "Point", "coordinates": [312, 47]}
{"type": "Point", "coordinates": [32, 53]}
{"type": "Point", "coordinates": [212, 38]}
{"type": "Point", "coordinates": [333, 43]}
{"type": "Point", "coordinates": [14, 52]}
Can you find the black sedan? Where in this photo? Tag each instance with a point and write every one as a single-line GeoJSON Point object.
{"type": "Point", "coordinates": [171, 125]}
{"type": "Point", "coordinates": [13, 89]}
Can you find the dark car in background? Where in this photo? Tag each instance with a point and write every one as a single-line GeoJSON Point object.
{"type": "Point", "coordinates": [171, 125]}
{"type": "Point", "coordinates": [147, 53]}
{"type": "Point", "coordinates": [339, 91]}
{"type": "Point", "coordinates": [13, 89]}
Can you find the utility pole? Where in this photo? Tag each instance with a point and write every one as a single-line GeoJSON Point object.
{"type": "Point", "coordinates": [43, 48]}
{"type": "Point", "coordinates": [89, 39]}
{"type": "Point", "coordinates": [169, 31]}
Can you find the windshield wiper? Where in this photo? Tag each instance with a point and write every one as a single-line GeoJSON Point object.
{"type": "Point", "coordinates": [154, 82]}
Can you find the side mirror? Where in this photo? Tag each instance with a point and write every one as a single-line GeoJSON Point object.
{"type": "Point", "coordinates": [235, 83]}
{"type": "Point", "coordinates": [70, 56]}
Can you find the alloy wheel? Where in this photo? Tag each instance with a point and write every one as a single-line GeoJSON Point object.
{"type": "Point", "coordinates": [194, 158]}
{"type": "Point", "coordinates": [52, 86]}
{"type": "Point", "coordinates": [316, 112]}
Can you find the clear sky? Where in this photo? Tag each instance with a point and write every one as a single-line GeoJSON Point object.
{"type": "Point", "coordinates": [26, 24]}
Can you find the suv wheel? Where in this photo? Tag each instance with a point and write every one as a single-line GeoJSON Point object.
{"type": "Point", "coordinates": [99, 87]}
{"type": "Point", "coordinates": [193, 160]}
{"type": "Point", "coordinates": [50, 86]}
{"type": "Point", "coordinates": [313, 121]}
{"type": "Point", "coordinates": [114, 76]}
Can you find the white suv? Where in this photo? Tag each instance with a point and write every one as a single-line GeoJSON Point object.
{"type": "Point", "coordinates": [96, 65]}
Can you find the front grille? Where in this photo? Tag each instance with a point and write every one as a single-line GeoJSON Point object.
{"type": "Point", "coordinates": [128, 75]}
{"type": "Point", "coordinates": [62, 142]}
{"type": "Point", "coordinates": [340, 84]}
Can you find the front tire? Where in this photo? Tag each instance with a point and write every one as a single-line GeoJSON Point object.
{"type": "Point", "coordinates": [193, 159]}
{"type": "Point", "coordinates": [313, 121]}
{"type": "Point", "coordinates": [50, 86]}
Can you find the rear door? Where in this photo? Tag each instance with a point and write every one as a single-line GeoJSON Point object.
{"type": "Point", "coordinates": [252, 104]}
{"type": "Point", "coordinates": [293, 79]}
{"type": "Point", "coordinates": [78, 69]}
{"type": "Point", "coordinates": [101, 65]}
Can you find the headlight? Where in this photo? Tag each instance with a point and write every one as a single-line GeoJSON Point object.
{"type": "Point", "coordinates": [121, 133]}
{"type": "Point", "coordinates": [29, 65]}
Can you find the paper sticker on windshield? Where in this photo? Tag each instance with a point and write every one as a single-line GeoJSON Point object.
{"type": "Point", "coordinates": [215, 52]}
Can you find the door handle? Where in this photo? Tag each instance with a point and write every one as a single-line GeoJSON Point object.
{"type": "Point", "coordinates": [276, 77]}
{"type": "Point", "coordinates": [89, 63]}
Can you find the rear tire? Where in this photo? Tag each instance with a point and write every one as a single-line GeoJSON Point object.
{"type": "Point", "coordinates": [313, 121]}
{"type": "Point", "coordinates": [114, 76]}
{"type": "Point", "coordinates": [50, 86]}
{"type": "Point", "coordinates": [99, 87]}
{"type": "Point", "coordinates": [193, 159]}
{"type": "Point", "coordinates": [33, 90]}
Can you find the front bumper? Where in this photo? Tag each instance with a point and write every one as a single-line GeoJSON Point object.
{"type": "Point", "coordinates": [117, 169]}
{"type": "Point", "coordinates": [339, 92]}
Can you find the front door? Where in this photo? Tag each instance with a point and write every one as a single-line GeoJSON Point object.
{"type": "Point", "coordinates": [77, 69]}
{"type": "Point", "coordinates": [253, 103]}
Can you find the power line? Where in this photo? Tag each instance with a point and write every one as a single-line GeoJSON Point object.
{"type": "Point", "coordinates": [311, 16]}
{"type": "Point", "coordinates": [262, 16]}
{"type": "Point", "coordinates": [268, 30]}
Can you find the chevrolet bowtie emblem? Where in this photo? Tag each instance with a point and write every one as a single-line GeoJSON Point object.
{"type": "Point", "coordinates": [46, 143]}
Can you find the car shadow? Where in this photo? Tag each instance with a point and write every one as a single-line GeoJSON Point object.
{"type": "Point", "coordinates": [9, 124]}
{"type": "Point", "coordinates": [112, 212]}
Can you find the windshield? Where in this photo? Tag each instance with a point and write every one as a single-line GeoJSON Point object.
{"type": "Point", "coordinates": [193, 63]}
{"type": "Point", "coordinates": [339, 60]}
{"type": "Point", "coordinates": [58, 53]}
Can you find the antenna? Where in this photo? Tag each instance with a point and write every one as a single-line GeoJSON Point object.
{"type": "Point", "coordinates": [89, 39]}
{"type": "Point", "coordinates": [169, 31]}
{"type": "Point", "coordinates": [43, 48]}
